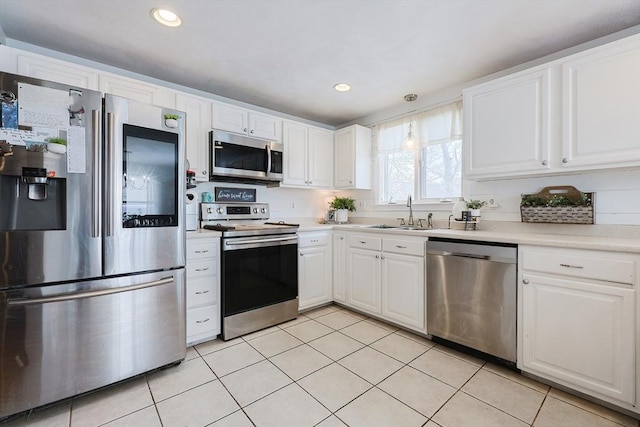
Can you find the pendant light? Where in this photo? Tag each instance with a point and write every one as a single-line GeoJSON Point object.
{"type": "Point", "coordinates": [410, 141]}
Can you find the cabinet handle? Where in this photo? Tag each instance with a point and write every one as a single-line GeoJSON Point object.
{"type": "Point", "coordinates": [202, 252]}
{"type": "Point", "coordinates": [377, 256]}
{"type": "Point", "coordinates": [202, 269]}
{"type": "Point", "coordinates": [251, 132]}
{"type": "Point", "coordinates": [314, 241]}
{"type": "Point", "coordinates": [525, 281]}
{"type": "Point", "coordinates": [363, 242]}
{"type": "Point", "coordinates": [341, 238]}
{"type": "Point", "coordinates": [382, 257]}
{"type": "Point", "coordinates": [572, 266]}
{"type": "Point", "coordinates": [545, 163]}
{"type": "Point", "coordinates": [310, 182]}
{"type": "Point", "coordinates": [204, 172]}
{"type": "Point", "coordinates": [202, 292]}
{"type": "Point", "coordinates": [565, 160]}
{"type": "Point", "coordinates": [203, 321]}
{"type": "Point", "coordinates": [350, 182]}
{"type": "Point", "coordinates": [401, 247]}
{"type": "Point", "coordinates": [244, 130]}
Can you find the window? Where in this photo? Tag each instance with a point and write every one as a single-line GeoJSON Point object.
{"type": "Point", "coordinates": [430, 169]}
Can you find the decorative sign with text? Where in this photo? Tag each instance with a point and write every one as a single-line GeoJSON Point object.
{"type": "Point", "coordinates": [227, 194]}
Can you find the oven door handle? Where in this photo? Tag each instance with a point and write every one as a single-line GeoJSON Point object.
{"type": "Point", "coordinates": [258, 241]}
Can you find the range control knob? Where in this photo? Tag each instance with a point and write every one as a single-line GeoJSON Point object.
{"type": "Point", "coordinates": [208, 210]}
{"type": "Point", "coordinates": [219, 210]}
{"type": "Point", "coordinates": [263, 210]}
{"type": "Point", "coordinates": [255, 210]}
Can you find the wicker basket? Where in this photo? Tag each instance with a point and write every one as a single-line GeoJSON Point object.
{"type": "Point", "coordinates": [559, 214]}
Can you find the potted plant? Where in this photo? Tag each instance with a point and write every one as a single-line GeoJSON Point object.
{"type": "Point", "coordinates": [57, 145]}
{"type": "Point", "coordinates": [171, 120]}
{"type": "Point", "coordinates": [474, 207]}
{"type": "Point", "coordinates": [558, 204]}
{"type": "Point", "coordinates": [342, 206]}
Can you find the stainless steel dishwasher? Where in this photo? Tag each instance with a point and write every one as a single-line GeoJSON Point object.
{"type": "Point", "coordinates": [471, 295]}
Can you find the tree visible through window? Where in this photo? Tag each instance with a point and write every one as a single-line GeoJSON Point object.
{"type": "Point", "coordinates": [431, 169]}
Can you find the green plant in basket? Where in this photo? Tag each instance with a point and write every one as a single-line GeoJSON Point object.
{"type": "Point", "coordinates": [343, 203]}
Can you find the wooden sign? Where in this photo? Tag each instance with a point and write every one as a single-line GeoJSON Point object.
{"type": "Point", "coordinates": [227, 194]}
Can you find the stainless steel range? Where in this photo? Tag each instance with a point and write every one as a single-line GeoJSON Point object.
{"type": "Point", "coordinates": [259, 267]}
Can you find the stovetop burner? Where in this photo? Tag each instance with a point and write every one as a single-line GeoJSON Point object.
{"type": "Point", "coordinates": [242, 219]}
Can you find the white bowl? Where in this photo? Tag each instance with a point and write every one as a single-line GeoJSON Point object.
{"type": "Point", "coordinates": [56, 148]}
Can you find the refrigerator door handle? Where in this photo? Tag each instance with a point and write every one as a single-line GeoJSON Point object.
{"type": "Point", "coordinates": [89, 294]}
{"type": "Point", "coordinates": [97, 173]}
{"type": "Point", "coordinates": [109, 173]}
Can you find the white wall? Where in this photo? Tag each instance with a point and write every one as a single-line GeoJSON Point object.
{"type": "Point", "coordinates": [284, 203]}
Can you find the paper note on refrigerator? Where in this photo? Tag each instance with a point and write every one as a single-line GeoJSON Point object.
{"type": "Point", "coordinates": [42, 106]}
{"type": "Point", "coordinates": [76, 150]}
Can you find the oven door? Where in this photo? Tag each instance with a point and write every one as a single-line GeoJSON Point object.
{"type": "Point", "coordinates": [258, 272]}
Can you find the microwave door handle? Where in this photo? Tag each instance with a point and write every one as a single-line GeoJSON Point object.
{"type": "Point", "coordinates": [268, 160]}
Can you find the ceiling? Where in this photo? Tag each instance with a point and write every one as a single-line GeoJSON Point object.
{"type": "Point", "coordinates": [286, 55]}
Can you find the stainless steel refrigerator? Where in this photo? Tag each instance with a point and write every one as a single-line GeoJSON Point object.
{"type": "Point", "coordinates": [92, 240]}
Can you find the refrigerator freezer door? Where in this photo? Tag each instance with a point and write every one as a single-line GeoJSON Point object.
{"type": "Point", "coordinates": [50, 202]}
{"type": "Point", "coordinates": [145, 184]}
{"type": "Point", "coordinates": [62, 340]}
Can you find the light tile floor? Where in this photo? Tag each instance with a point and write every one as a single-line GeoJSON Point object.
{"type": "Point", "coordinates": [330, 367]}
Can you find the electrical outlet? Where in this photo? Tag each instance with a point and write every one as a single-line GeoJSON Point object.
{"type": "Point", "coordinates": [293, 206]}
{"type": "Point", "coordinates": [360, 205]}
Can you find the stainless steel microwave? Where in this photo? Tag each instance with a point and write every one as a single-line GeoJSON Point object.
{"type": "Point", "coordinates": [237, 158]}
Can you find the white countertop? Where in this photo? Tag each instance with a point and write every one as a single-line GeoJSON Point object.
{"type": "Point", "coordinates": [616, 244]}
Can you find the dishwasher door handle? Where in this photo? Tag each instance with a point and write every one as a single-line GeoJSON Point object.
{"type": "Point", "coordinates": [459, 254]}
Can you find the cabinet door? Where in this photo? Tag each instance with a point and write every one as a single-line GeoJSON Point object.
{"type": "Point", "coordinates": [339, 267]}
{"type": "Point", "coordinates": [320, 155]}
{"type": "Point", "coordinates": [197, 129]}
{"type": "Point", "coordinates": [314, 276]}
{"type": "Point", "coordinates": [57, 71]}
{"type": "Point", "coordinates": [580, 334]}
{"type": "Point", "coordinates": [363, 280]}
{"type": "Point", "coordinates": [507, 126]}
{"type": "Point", "coordinates": [403, 290]}
{"type": "Point", "coordinates": [265, 126]}
{"type": "Point", "coordinates": [295, 154]}
{"type": "Point", "coordinates": [229, 118]}
{"type": "Point", "coordinates": [344, 160]}
{"type": "Point", "coordinates": [601, 112]}
{"type": "Point", "coordinates": [134, 89]}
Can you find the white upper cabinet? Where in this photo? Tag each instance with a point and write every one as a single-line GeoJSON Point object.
{"type": "Point", "coordinates": [578, 113]}
{"type": "Point", "coordinates": [507, 125]}
{"type": "Point", "coordinates": [197, 128]}
{"type": "Point", "coordinates": [41, 67]}
{"type": "Point", "coordinates": [352, 158]}
{"type": "Point", "coordinates": [308, 154]}
{"type": "Point", "coordinates": [239, 120]}
{"type": "Point", "coordinates": [601, 107]}
{"type": "Point", "coordinates": [137, 90]}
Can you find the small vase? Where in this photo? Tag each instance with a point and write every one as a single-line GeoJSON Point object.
{"type": "Point", "coordinates": [52, 147]}
{"type": "Point", "coordinates": [342, 215]}
{"type": "Point", "coordinates": [171, 123]}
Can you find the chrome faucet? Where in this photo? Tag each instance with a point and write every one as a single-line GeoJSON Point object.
{"type": "Point", "coordinates": [410, 206]}
{"type": "Point", "coordinates": [430, 221]}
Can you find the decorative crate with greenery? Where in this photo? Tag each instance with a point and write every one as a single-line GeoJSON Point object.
{"type": "Point", "coordinates": [560, 205]}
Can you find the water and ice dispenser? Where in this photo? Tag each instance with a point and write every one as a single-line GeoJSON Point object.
{"type": "Point", "coordinates": [32, 189]}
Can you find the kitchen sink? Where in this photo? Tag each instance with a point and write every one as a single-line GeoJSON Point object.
{"type": "Point", "coordinates": [384, 226]}
{"type": "Point", "coordinates": [397, 227]}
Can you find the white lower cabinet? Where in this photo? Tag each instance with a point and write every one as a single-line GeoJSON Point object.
{"type": "Point", "coordinates": [314, 269]}
{"type": "Point", "coordinates": [203, 289]}
{"type": "Point", "coordinates": [386, 277]}
{"type": "Point", "coordinates": [577, 320]}
{"type": "Point", "coordinates": [339, 267]}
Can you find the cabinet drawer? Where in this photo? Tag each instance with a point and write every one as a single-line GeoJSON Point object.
{"type": "Point", "coordinates": [595, 265]}
{"type": "Point", "coordinates": [201, 248]}
{"type": "Point", "coordinates": [202, 291]}
{"type": "Point", "coordinates": [202, 319]}
{"type": "Point", "coordinates": [365, 242]}
{"type": "Point", "coordinates": [309, 240]}
{"type": "Point", "coordinates": [402, 246]}
{"type": "Point", "coordinates": [206, 267]}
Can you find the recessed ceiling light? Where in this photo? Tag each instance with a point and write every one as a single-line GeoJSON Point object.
{"type": "Point", "coordinates": [342, 87]}
{"type": "Point", "coordinates": [166, 17]}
